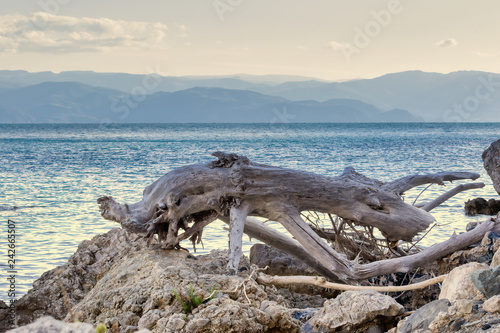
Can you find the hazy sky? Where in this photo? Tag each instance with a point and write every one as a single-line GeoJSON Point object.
{"type": "Point", "coordinates": [333, 40]}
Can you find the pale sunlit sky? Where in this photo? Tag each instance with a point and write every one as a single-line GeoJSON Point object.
{"type": "Point", "coordinates": [332, 40]}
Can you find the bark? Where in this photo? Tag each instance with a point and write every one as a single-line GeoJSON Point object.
{"type": "Point", "coordinates": [233, 187]}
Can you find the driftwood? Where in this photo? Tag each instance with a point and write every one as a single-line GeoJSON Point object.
{"type": "Point", "coordinates": [321, 282]}
{"type": "Point", "coordinates": [234, 188]}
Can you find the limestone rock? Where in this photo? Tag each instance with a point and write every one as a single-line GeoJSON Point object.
{"type": "Point", "coordinates": [458, 283]}
{"type": "Point", "coordinates": [226, 315]}
{"type": "Point", "coordinates": [421, 318]}
{"type": "Point", "coordinates": [491, 160]}
{"type": "Point", "coordinates": [492, 304]}
{"type": "Point", "coordinates": [115, 279]}
{"type": "Point", "coordinates": [353, 309]}
{"type": "Point", "coordinates": [463, 306]}
{"type": "Point", "coordinates": [51, 325]}
{"type": "Point", "coordinates": [487, 281]}
{"type": "Point", "coordinates": [138, 292]}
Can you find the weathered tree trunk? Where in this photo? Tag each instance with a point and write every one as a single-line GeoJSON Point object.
{"type": "Point", "coordinates": [236, 188]}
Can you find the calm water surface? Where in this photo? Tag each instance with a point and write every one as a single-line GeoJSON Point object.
{"type": "Point", "coordinates": [53, 174]}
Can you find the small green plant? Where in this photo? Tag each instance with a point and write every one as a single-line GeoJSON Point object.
{"type": "Point", "coordinates": [100, 328]}
{"type": "Point", "coordinates": [193, 301]}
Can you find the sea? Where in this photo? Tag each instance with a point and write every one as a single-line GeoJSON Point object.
{"type": "Point", "coordinates": [52, 174]}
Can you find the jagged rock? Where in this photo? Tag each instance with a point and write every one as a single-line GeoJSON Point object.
{"type": "Point", "coordinates": [138, 292]}
{"type": "Point", "coordinates": [421, 318]}
{"type": "Point", "coordinates": [487, 281]}
{"type": "Point", "coordinates": [458, 283]}
{"type": "Point", "coordinates": [51, 325]}
{"type": "Point", "coordinates": [79, 275]}
{"type": "Point", "coordinates": [481, 206]}
{"type": "Point", "coordinates": [491, 160]}
{"type": "Point", "coordinates": [352, 310]}
{"type": "Point", "coordinates": [115, 279]}
{"type": "Point", "coordinates": [226, 315]}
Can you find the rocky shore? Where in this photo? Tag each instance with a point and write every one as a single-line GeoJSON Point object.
{"type": "Point", "coordinates": [116, 280]}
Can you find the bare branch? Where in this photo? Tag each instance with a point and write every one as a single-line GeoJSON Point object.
{"type": "Point", "coordinates": [446, 196]}
{"type": "Point", "coordinates": [400, 186]}
{"type": "Point", "coordinates": [321, 282]}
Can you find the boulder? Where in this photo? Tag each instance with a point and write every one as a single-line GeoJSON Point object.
{"type": "Point", "coordinates": [279, 263]}
{"type": "Point", "coordinates": [481, 206]}
{"type": "Point", "coordinates": [458, 283]}
{"type": "Point", "coordinates": [487, 281]}
{"type": "Point", "coordinates": [352, 310]}
{"type": "Point", "coordinates": [283, 264]}
{"type": "Point", "coordinates": [421, 318]}
{"type": "Point", "coordinates": [491, 160]}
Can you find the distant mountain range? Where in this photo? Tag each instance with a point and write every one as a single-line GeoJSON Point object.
{"type": "Point", "coordinates": [118, 97]}
{"type": "Point", "coordinates": [70, 102]}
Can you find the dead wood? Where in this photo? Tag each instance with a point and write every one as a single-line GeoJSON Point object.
{"type": "Point", "coordinates": [321, 282]}
{"type": "Point", "coordinates": [233, 188]}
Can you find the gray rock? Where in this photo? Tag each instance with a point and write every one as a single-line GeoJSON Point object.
{"type": "Point", "coordinates": [458, 283]}
{"type": "Point", "coordinates": [487, 281]}
{"type": "Point", "coordinates": [353, 309]}
{"type": "Point", "coordinates": [51, 325]}
{"type": "Point", "coordinates": [421, 318]}
{"type": "Point", "coordinates": [496, 259]}
{"type": "Point", "coordinates": [491, 160]}
{"type": "Point", "coordinates": [280, 263]}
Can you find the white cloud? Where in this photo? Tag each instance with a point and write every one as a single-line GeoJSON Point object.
{"type": "Point", "coordinates": [43, 32]}
{"type": "Point", "coordinates": [486, 54]}
{"type": "Point", "coordinates": [451, 42]}
{"type": "Point", "coordinates": [338, 46]}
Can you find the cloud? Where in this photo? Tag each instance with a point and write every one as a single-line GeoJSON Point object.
{"type": "Point", "coordinates": [338, 46]}
{"type": "Point", "coordinates": [43, 32]}
{"type": "Point", "coordinates": [486, 54]}
{"type": "Point", "coordinates": [451, 42]}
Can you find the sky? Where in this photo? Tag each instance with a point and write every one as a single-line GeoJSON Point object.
{"type": "Point", "coordinates": [328, 39]}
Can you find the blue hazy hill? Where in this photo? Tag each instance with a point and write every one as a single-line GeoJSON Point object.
{"type": "Point", "coordinates": [70, 102]}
